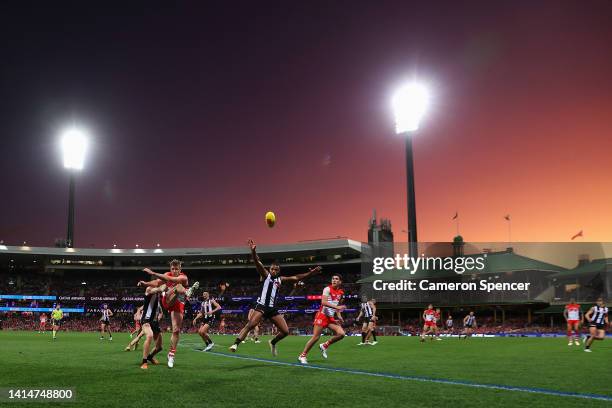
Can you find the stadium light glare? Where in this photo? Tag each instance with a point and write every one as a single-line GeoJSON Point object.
{"type": "Point", "coordinates": [74, 146]}
{"type": "Point", "coordinates": [410, 102]}
{"type": "Point", "coordinates": [3, 248]}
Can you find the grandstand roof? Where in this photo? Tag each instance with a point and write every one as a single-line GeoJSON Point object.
{"type": "Point", "coordinates": [586, 269]}
{"type": "Point", "coordinates": [183, 252]}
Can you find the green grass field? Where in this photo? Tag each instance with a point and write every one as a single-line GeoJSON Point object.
{"type": "Point", "coordinates": [103, 375]}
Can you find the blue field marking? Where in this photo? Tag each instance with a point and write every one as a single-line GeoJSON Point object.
{"type": "Point", "coordinates": [541, 391]}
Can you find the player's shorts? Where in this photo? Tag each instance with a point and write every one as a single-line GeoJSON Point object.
{"type": "Point", "coordinates": [323, 320]}
{"type": "Point", "coordinates": [468, 326]}
{"type": "Point", "coordinates": [430, 324]}
{"type": "Point", "coordinates": [55, 322]}
{"type": "Point", "coordinates": [153, 323]}
{"type": "Point", "coordinates": [598, 326]}
{"type": "Point", "coordinates": [176, 307]}
{"type": "Point", "coordinates": [268, 312]}
{"type": "Point", "coordinates": [210, 320]}
{"type": "Point", "coordinates": [107, 321]}
{"type": "Point", "coordinates": [573, 321]}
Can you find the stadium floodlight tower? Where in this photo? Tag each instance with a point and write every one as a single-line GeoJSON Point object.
{"type": "Point", "coordinates": [410, 102]}
{"type": "Point", "coordinates": [74, 146]}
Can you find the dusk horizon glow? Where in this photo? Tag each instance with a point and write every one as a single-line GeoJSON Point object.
{"type": "Point", "coordinates": [197, 130]}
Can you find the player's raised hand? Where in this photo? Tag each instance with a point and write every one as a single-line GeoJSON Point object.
{"type": "Point", "coordinates": [316, 269]}
{"type": "Point", "coordinates": [251, 244]}
{"type": "Point", "coordinates": [140, 283]}
{"type": "Point", "coordinates": [147, 270]}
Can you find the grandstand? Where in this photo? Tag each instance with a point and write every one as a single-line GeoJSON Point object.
{"type": "Point", "coordinates": [32, 279]}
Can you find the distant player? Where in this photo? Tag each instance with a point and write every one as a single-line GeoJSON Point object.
{"type": "Point", "coordinates": [449, 324]}
{"type": "Point", "coordinates": [173, 300]}
{"type": "Point", "coordinates": [430, 322]}
{"type": "Point", "coordinates": [469, 324]}
{"type": "Point", "coordinates": [133, 344]}
{"type": "Point", "coordinates": [597, 317]}
{"type": "Point", "coordinates": [438, 320]}
{"type": "Point", "coordinates": [56, 319]}
{"type": "Point", "coordinates": [328, 316]}
{"type": "Point", "coordinates": [222, 326]}
{"type": "Point", "coordinates": [210, 310]}
{"type": "Point", "coordinates": [265, 307]}
{"type": "Point", "coordinates": [43, 323]}
{"type": "Point", "coordinates": [150, 324]}
{"type": "Point", "coordinates": [573, 316]}
{"type": "Point", "coordinates": [137, 317]}
{"type": "Point", "coordinates": [105, 322]}
{"type": "Point", "coordinates": [254, 334]}
{"type": "Point", "coordinates": [367, 314]}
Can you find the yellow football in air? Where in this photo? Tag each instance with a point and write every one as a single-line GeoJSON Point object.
{"type": "Point", "coordinates": [270, 219]}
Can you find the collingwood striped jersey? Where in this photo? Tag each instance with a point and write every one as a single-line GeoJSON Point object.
{"type": "Point", "coordinates": [151, 308]}
{"type": "Point", "coordinates": [269, 291]}
{"type": "Point", "coordinates": [470, 320]}
{"type": "Point", "coordinates": [207, 307]}
{"type": "Point", "coordinates": [366, 308]}
{"type": "Point", "coordinates": [599, 314]}
{"type": "Point", "coordinates": [105, 315]}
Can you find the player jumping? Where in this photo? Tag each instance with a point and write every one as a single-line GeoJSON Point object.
{"type": "Point", "coordinates": [209, 310]}
{"type": "Point", "coordinates": [597, 316]}
{"type": "Point", "coordinates": [573, 316]}
{"type": "Point", "coordinates": [266, 302]}
{"type": "Point", "coordinates": [105, 322]}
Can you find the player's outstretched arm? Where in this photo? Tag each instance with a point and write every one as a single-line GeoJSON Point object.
{"type": "Point", "coordinates": [565, 314]}
{"type": "Point", "coordinates": [155, 283]}
{"type": "Point", "coordinates": [263, 272]}
{"type": "Point", "coordinates": [301, 276]}
{"type": "Point", "coordinates": [182, 279]}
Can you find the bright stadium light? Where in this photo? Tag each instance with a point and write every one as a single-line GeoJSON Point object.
{"type": "Point", "coordinates": [410, 102]}
{"type": "Point", "coordinates": [74, 146]}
